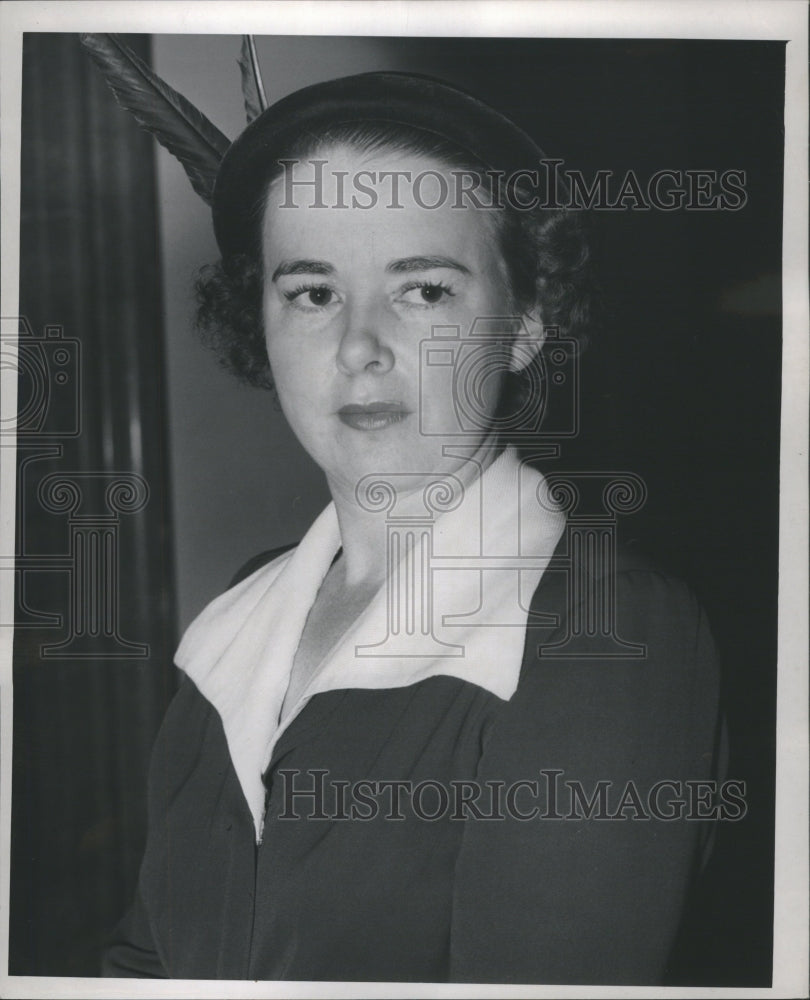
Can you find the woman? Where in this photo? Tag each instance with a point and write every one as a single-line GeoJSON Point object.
{"type": "Point", "coordinates": [437, 740]}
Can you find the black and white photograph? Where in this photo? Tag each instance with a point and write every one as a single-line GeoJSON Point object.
{"type": "Point", "coordinates": [403, 570]}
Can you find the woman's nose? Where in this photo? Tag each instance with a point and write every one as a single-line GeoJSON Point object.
{"type": "Point", "coordinates": [363, 346]}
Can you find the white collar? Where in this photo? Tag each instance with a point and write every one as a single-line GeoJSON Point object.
{"type": "Point", "coordinates": [239, 651]}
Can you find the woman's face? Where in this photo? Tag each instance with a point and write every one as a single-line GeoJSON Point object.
{"type": "Point", "coordinates": [351, 294]}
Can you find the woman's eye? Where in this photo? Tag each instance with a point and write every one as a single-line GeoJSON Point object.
{"type": "Point", "coordinates": [311, 296]}
{"type": "Point", "coordinates": [426, 293]}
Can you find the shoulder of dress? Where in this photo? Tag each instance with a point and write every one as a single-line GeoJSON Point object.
{"type": "Point", "coordinates": [631, 577]}
{"type": "Point", "coordinates": [629, 618]}
{"type": "Point", "coordinates": [648, 683]}
{"type": "Point", "coordinates": [190, 732]}
{"type": "Point", "coordinates": [189, 710]}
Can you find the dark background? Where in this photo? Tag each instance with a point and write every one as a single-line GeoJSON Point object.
{"type": "Point", "coordinates": [681, 385]}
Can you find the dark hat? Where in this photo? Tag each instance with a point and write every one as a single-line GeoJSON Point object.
{"type": "Point", "coordinates": [398, 98]}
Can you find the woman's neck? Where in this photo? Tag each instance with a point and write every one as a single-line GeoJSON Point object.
{"type": "Point", "coordinates": [363, 532]}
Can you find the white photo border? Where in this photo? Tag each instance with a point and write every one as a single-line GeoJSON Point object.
{"type": "Point", "coordinates": [689, 19]}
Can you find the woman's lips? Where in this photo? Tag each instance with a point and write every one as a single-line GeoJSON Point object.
{"type": "Point", "coordinates": [372, 416]}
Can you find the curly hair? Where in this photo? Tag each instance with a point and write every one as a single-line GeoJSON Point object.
{"type": "Point", "coordinates": [546, 252]}
{"type": "Point", "coordinates": [229, 317]}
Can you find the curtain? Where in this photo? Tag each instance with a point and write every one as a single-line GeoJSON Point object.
{"type": "Point", "coordinates": [94, 618]}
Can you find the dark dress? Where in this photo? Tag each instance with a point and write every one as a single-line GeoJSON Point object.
{"type": "Point", "coordinates": [588, 889]}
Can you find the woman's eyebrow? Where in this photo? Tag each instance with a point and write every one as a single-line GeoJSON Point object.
{"type": "Point", "coordinates": [408, 264]}
{"type": "Point", "coordinates": [302, 267]}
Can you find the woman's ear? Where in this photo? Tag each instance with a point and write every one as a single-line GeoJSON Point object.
{"type": "Point", "coordinates": [528, 341]}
